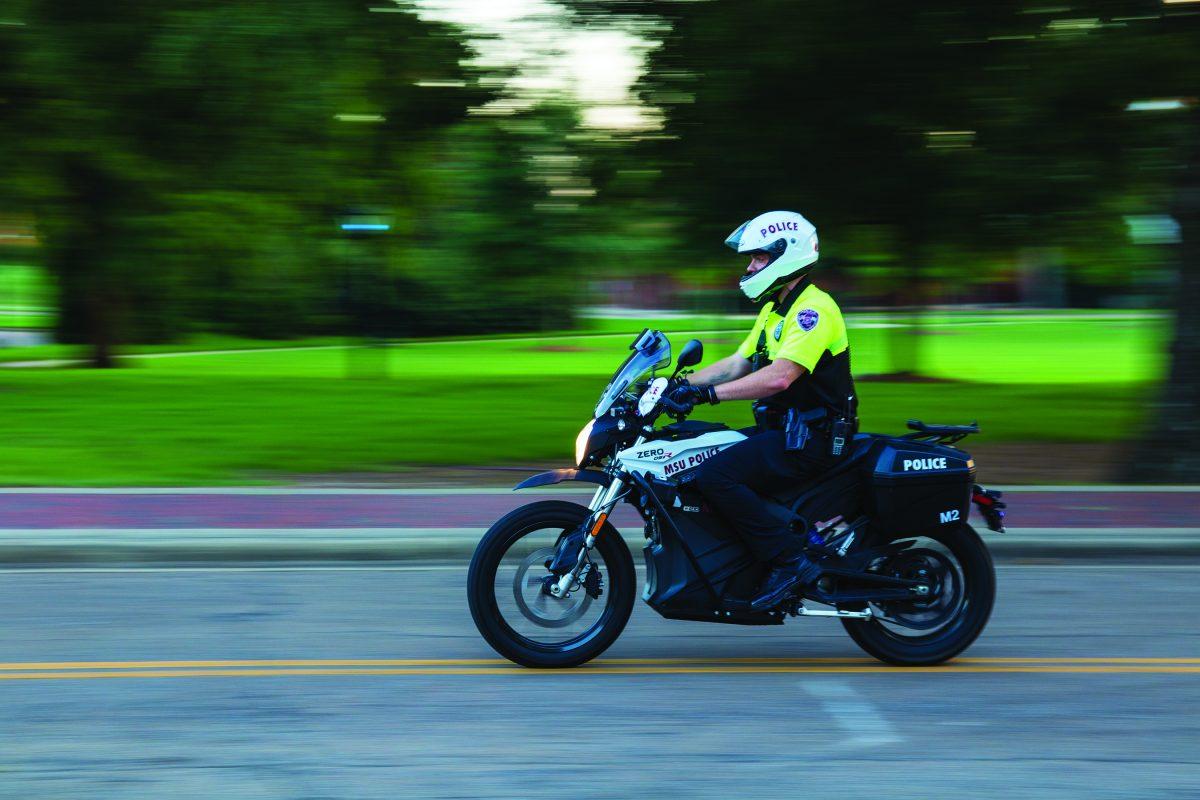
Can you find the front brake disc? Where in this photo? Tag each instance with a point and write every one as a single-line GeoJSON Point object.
{"type": "Point", "coordinates": [539, 606]}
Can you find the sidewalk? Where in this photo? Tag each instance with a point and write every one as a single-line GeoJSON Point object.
{"type": "Point", "coordinates": [58, 526]}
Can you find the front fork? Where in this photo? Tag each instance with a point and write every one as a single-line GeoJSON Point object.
{"type": "Point", "coordinates": [601, 506]}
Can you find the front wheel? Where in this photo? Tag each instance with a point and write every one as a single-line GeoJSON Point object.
{"type": "Point", "coordinates": [507, 588]}
{"type": "Point", "coordinates": [959, 569]}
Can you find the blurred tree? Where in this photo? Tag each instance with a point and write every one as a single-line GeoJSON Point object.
{"type": "Point", "coordinates": [1167, 70]}
{"type": "Point", "coordinates": [956, 132]}
{"type": "Point", "coordinates": [1169, 446]}
{"type": "Point", "coordinates": [1170, 450]}
{"type": "Point", "coordinates": [188, 156]}
{"type": "Point", "coordinates": [770, 106]}
{"type": "Point", "coordinates": [12, 101]}
{"type": "Point", "coordinates": [1071, 153]}
{"type": "Point", "coordinates": [512, 227]}
{"type": "Point", "coordinates": [489, 244]}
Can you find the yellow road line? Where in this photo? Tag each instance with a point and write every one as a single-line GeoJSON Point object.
{"type": "Point", "coordinates": [313, 662]}
{"type": "Point", "coordinates": [485, 662]}
{"type": "Point", "coordinates": [403, 662]}
{"type": "Point", "coordinates": [513, 670]}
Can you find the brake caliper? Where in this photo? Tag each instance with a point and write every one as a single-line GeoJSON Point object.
{"type": "Point", "coordinates": [593, 584]}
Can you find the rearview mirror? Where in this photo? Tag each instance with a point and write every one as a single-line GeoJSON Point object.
{"type": "Point", "coordinates": [691, 355]}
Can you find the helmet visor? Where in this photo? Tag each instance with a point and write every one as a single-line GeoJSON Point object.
{"type": "Point", "coordinates": [734, 240]}
{"type": "Point", "coordinates": [774, 250]}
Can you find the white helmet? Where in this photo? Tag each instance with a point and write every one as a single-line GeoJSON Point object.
{"type": "Point", "coordinates": [787, 238]}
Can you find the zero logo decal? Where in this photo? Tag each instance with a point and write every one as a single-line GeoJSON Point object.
{"type": "Point", "coordinates": [807, 319]}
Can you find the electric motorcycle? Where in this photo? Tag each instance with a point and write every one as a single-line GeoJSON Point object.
{"type": "Point", "coordinates": [552, 583]}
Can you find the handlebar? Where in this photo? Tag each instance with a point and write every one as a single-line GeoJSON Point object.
{"type": "Point", "coordinates": [674, 410]}
{"type": "Point", "coordinates": [664, 404]}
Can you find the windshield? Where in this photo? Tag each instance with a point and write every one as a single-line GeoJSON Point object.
{"type": "Point", "coordinates": [651, 351]}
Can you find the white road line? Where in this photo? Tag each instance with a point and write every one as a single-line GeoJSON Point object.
{"type": "Point", "coordinates": [462, 567]}
{"type": "Point", "coordinates": [863, 723]}
{"type": "Point", "coordinates": [377, 532]}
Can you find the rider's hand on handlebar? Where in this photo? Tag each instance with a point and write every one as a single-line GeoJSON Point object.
{"type": "Point", "coordinates": [684, 397]}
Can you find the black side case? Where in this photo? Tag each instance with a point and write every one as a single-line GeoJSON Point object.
{"type": "Point", "coordinates": [916, 486]}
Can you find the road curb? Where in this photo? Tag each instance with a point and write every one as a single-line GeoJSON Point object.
{"type": "Point", "coordinates": [81, 546]}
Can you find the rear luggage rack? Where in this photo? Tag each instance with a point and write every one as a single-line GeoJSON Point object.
{"type": "Point", "coordinates": [941, 433]}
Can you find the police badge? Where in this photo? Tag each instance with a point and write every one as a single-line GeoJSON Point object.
{"type": "Point", "coordinates": [807, 319]}
{"type": "Point", "coordinates": [779, 330]}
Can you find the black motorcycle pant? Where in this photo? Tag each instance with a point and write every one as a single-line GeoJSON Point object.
{"type": "Point", "coordinates": [734, 480]}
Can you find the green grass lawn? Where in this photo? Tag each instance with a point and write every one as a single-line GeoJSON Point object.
{"type": "Point", "coordinates": [140, 427]}
{"type": "Point", "coordinates": [25, 287]}
{"type": "Point", "coordinates": [26, 297]}
{"type": "Point", "coordinates": [24, 319]}
{"type": "Point", "coordinates": [247, 416]}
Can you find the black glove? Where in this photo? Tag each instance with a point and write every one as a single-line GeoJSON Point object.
{"type": "Point", "coordinates": [683, 398]}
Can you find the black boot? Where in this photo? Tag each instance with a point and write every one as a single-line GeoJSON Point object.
{"type": "Point", "coordinates": [787, 573]}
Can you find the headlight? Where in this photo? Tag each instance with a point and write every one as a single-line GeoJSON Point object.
{"type": "Point", "coordinates": [581, 443]}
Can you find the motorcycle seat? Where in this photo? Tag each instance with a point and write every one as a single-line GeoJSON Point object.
{"type": "Point", "coordinates": [862, 444]}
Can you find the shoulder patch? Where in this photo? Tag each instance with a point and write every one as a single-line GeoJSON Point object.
{"type": "Point", "coordinates": [779, 330]}
{"type": "Point", "coordinates": [807, 319]}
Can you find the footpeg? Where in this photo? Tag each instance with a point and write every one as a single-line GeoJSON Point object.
{"type": "Point", "coordinates": [801, 611]}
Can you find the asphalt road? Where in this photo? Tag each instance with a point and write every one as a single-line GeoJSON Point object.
{"type": "Point", "coordinates": [117, 684]}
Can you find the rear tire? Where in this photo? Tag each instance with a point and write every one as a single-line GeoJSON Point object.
{"type": "Point", "coordinates": [618, 594]}
{"type": "Point", "coordinates": [978, 576]}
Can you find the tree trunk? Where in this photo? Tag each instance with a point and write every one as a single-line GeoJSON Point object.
{"type": "Point", "coordinates": [907, 313]}
{"type": "Point", "coordinates": [78, 254]}
{"type": "Point", "coordinates": [1169, 451]}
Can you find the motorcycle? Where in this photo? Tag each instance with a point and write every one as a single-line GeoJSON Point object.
{"type": "Point", "coordinates": [552, 583]}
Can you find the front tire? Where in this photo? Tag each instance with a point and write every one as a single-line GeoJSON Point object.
{"type": "Point", "coordinates": [554, 637]}
{"type": "Point", "coordinates": [974, 597]}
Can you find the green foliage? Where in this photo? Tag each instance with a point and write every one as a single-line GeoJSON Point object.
{"type": "Point", "coordinates": [248, 263]}
{"type": "Point", "coordinates": [195, 161]}
{"type": "Point", "coordinates": [189, 163]}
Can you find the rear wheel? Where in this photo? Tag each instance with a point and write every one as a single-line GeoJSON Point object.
{"type": "Point", "coordinates": [507, 588]}
{"type": "Point", "coordinates": [958, 568]}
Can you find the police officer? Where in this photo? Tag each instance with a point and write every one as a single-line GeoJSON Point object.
{"type": "Point", "coordinates": [796, 363]}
